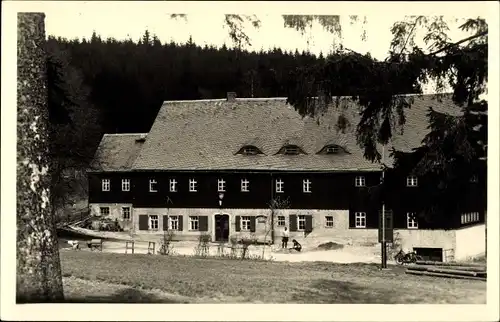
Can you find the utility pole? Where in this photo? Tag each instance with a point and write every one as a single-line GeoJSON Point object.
{"type": "Point", "coordinates": [383, 221]}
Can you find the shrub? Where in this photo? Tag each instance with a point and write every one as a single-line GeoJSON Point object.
{"type": "Point", "coordinates": [246, 242]}
{"type": "Point", "coordinates": [166, 246]}
{"type": "Point", "coordinates": [203, 247]}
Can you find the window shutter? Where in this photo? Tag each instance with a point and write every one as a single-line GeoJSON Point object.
{"type": "Point", "coordinates": [238, 227]}
{"type": "Point", "coordinates": [180, 223]}
{"type": "Point", "coordinates": [309, 226]}
{"type": "Point", "coordinates": [293, 223]}
{"type": "Point", "coordinates": [143, 222]}
{"type": "Point", "coordinates": [165, 223]}
{"type": "Point", "coordinates": [252, 224]}
{"type": "Point", "coordinates": [203, 223]}
{"type": "Point", "coordinates": [352, 219]}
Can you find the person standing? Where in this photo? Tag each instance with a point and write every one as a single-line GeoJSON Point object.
{"type": "Point", "coordinates": [284, 239]}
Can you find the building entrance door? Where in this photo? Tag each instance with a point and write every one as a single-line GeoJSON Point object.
{"type": "Point", "coordinates": [222, 228]}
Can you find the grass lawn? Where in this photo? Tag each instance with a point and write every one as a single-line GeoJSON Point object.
{"type": "Point", "coordinates": [185, 279]}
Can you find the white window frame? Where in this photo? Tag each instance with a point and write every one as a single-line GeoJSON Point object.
{"type": "Point", "coordinates": [332, 149]}
{"type": "Point", "coordinates": [301, 219]}
{"type": "Point", "coordinates": [245, 223]}
{"type": "Point", "coordinates": [412, 181]}
{"type": "Point", "coordinates": [106, 185]}
{"type": "Point", "coordinates": [173, 222]}
{"type": "Point", "coordinates": [292, 150]}
{"type": "Point", "coordinates": [469, 217]}
{"type": "Point", "coordinates": [173, 185]}
{"type": "Point", "coordinates": [125, 184]}
{"type": "Point", "coordinates": [360, 219]}
{"type": "Point", "coordinates": [411, 220]}
{"type": "Point", "coordinates": [128, 212]}
{"type": "Point", "coordinates": [281, 219]}
{"type": "Point", "coordinates": [192, 185]}
{"type": "Point", "coordinates": [101, 212]}
{"type": "Point", "coordinates": [280, 186]}
{"type": "Point", "coordinates": [194, 221]}
{"type": "Point", "coordinates": [221, 185]}
{"type": "Point", "coordinates": [329, 223]}
{"type": "Point", "coordinates": [360, 181]}
{"type": "Point", "coordinates": [250, 150]}
{"type": "Point", "coordinates": [306, 186]}
{"type": "Point", "coordinates": [153, 222]}
{"type": "Point", "coordinates": [245, 185]}
{"type": "Point", "coordinates": [152, 182]}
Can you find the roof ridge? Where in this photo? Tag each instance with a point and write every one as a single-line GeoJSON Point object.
{"type": "Point", "coordinates": [257, 99]}
{"type": "Point", "coordinates": [117, 134]}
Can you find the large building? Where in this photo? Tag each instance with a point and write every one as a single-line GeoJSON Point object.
{"type": "Point", "coordinates": [215, 166]}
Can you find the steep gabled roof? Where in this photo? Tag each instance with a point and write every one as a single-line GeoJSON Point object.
{"type": "Point", "coordinates": [117, 152]}
{"type": "Point", "coordinates": [205, 134]}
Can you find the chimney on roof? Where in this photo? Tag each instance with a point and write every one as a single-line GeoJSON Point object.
{"type": "Point", "coordinates": [142, 137]}
{"type": "Point", "coordinates": [231, 96]}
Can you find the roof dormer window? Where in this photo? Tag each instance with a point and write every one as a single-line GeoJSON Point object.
{"type": "Point", "coordinates": [291, 150]}
{"type": "Point", "coordinates": [249, 150]}
{"type": "Point", "coordinates": [332, 149]}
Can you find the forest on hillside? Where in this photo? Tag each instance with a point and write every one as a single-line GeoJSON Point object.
{"type": "Point", "coordinates": [127, 81]}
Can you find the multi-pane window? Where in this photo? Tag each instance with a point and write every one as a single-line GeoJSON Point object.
{"type": "Point", "coordinates": [411, 220]}
{"type": "Point", "coordinates": [306, 185]}
{"type": "Point", "coordinates": [250, 150]}
{"type": "Point", "coordinates": [360, 219]}
{"type": "Point", "coordinates": [360, 181]}
{"type": "Point", "coordinates": [152, 185]}
{"type": "Point", "coordinates": [245, 223]}
{"type": "Point", "coordinates": [332, 150]}
{"type": "Point", "coordinates": [104, 211]}
{"type": "Point", "coordinates": [173, 222]}
{"type": "Point", "coordinates": [411, 181]}
{"type": "Point", "coordinates": [194, 223]}
{"type": "Point", "coordinates": [125, 184]}
{"type": "Point", "coordinates": [329, 221]}
{"type": "Point", "coordinates": [301, 222]}
{"type": "Point", "coordinates": [245, 185]}
{"type": "Point", "coordinates": [221, 185]}
{"type": "Point", "coordinates": [281, 220]}
{"type": "Point", "coordinates": [291, 150]}
{"type": "Point", "coordinates": [106, 185]}
{"type": "Point", "coordinates": [192, 185]}
{"type": "Point", "coordinates": [280, 185]}
{"type": "Point", "coordinates": [469, 217]}
{"type": "Point", "coordinates": [173, 185]}
{"type": "Point", "coordinates": [126, 213]}
{"type": "Point", "coordinates": [153, 222]}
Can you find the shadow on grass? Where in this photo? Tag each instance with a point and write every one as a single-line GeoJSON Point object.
{"type": "Point", "coordinates": [342, 292]}
{"type": "Point", "coordinates": [128, 295]}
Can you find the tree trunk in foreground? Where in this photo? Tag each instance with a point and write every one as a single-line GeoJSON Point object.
{"type": "Point", "coordinates": [38, 267]}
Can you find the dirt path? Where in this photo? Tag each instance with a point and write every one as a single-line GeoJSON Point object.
{"type": "Point", "coordinates": [345, 255]}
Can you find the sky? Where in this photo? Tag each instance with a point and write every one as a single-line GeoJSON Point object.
{"type": "Point", "coordinates": [129, 20]}
{"type": "Point", "coordinates": [205, 24]}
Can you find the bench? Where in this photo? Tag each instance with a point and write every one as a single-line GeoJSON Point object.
{"type": "Point", "coordinates": [95, 244]}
